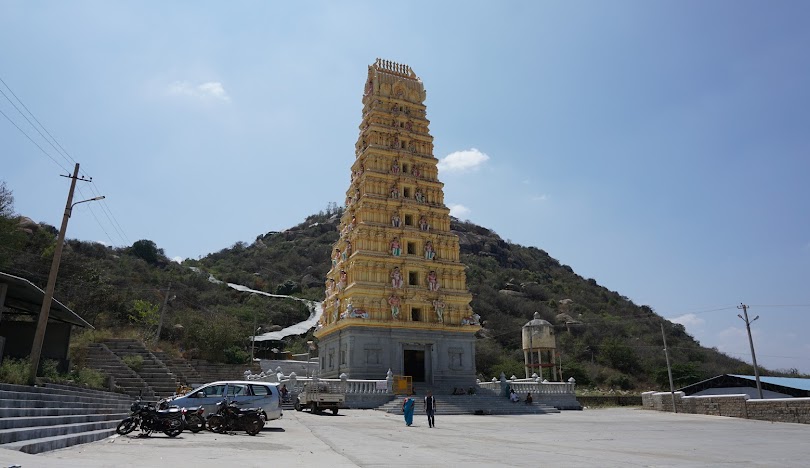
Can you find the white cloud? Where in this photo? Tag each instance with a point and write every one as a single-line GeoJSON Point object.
{"type": "Point", "coordinates": [688, 320]}
{"type": "Point", "coordinates": [459, 211]}
{"type": "Point", "coordinates": [207, 90]}
{"type": "Point", "coordinates": [178, 259]}
{"type": "Point", "coordinates": [462, 161]}
{"type": "Point", "coordinates": [540, 198]}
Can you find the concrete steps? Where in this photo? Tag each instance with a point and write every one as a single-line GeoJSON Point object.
{"type": "Point", "coordinates": [180, 368]}
{"type": "Point", "coordinates": [102, 359]}
{"type": "Point", "coordinates": [470, 404]}
{"type": "Point", "coordinates": [45, 444]}
{"type": "Point", "coordinates": [38, 419]}
{"type": "Point", "coordinates": [153, 371]}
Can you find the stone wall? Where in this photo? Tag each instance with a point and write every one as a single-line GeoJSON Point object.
{"type": "Point", "coordinates": [794, 410]}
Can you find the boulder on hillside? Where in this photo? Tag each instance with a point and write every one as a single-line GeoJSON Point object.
{"type": "Point", "coordinates": [509, 292]}
{"type": "Point", "coordinates": [27, 225]}
{"type": "Point", "coordinates": [310, 281]}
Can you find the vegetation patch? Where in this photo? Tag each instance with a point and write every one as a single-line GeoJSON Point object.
{"type": "Point", "coordinates": [133, 361]}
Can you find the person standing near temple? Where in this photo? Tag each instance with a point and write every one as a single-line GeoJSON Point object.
{"type": "Point", "coordinates": [407, 410]}
{"type": "Point", "coordinates": [430, 408]}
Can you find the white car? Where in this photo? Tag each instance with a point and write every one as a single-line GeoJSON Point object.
{"type": "Point", "coordinates": [245, 393]}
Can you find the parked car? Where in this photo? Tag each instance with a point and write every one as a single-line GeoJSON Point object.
{"type": "Point", "coordinates": [245, 393]}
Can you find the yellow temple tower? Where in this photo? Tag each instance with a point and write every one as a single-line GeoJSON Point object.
{"type": "Point", "coordinates": [396, 296]}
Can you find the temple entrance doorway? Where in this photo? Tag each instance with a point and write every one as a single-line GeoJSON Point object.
{"type": "Point", "coordinates": [414, 364]}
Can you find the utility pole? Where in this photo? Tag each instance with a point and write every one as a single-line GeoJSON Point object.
{"type": "Point", "coordinates": [163, 311]}
{"type": "Point", "coordinates": [669, 370]}
{"type": "Point", "coordinates": [42, 323]}
{"type": "Point", "coordinates": [751, 342]}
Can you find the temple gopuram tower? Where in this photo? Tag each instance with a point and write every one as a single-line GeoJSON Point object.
{"type": "Point", "coordinates": [396, 296]}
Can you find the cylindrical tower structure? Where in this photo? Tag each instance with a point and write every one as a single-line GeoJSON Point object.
{"type": "Point", "coordinates": [539, 347]}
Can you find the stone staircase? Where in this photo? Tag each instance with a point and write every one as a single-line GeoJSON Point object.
{"type": "Point", "coordinates": [153, 371]}
{"type": "Point", "coordinates": [181, 369]}
{"type": "Point", "coordinates": [124, 379]}
{"type": "Point", "coordinates": [39, 419]}
{"type": "Point", "coordinates": [470, 404]}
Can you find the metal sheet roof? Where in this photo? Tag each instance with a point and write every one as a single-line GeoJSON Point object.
{"type": "Point", "coordinates": [27, 297]}
{"type": "Point", "coordinates": [792, 382]}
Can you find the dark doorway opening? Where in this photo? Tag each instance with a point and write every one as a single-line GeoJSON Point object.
{"type": "Point", "coordinates": [415, 364]}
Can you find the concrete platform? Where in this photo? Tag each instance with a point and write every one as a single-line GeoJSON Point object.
{"type": "Point", "coordinates": [599, 437]}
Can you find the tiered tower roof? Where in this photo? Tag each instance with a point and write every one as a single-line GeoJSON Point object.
{"type": "Point", "coordinates": [396, 264]}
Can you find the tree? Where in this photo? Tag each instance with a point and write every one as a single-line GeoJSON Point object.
{"type": "Point", "coordinates": [6, 201]}
{"type": "Point", "coordinates": [619, 355]}
{"type": "Point", "coordinates": [147, 250]}
{"type": "Point", "coordinates": [11, 238]}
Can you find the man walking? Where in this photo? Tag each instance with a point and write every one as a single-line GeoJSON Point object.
{"type": "Point", "coordinates": [430, 408]}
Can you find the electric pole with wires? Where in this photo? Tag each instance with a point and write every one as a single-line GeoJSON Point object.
{"type": "Point", "coordinates": [751, 342]}
{"type": "Point", "coordinates": [47, 299]}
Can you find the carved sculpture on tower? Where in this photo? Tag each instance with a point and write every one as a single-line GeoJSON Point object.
{"type": "Point", "coordinates": [396, 264]}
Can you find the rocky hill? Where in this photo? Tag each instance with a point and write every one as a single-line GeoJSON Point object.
{"type": "Point", "coordinates": [604, 339]}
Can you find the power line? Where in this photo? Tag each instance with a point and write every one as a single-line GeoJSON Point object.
{"type": "Point", "coordinates": [97, 221]}
{"type": "Point", "coordinates": [65, 155]}
{"type": "Point", "coordinates": [116, 225]}
{"type": "Point", "coordinates": [34, 142]}
{"type": "Point", "coordinates": [69, 160]}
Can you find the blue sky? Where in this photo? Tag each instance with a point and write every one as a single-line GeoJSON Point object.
{"type": "Point", "coordinates": [660, 148]}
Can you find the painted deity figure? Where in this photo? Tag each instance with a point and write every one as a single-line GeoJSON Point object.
{"type": "Point", "coordinates": [347, 252]}
{"type": "Point", "coordinates": [415, 170]}
{"type": "Point", "coordinates": [394, 191]}
{"type": "Point", "coordinates": [439, 306]}
{"type": "Point", "coordinates": [335, 309]}
{"type": "Point", "coordinates": [395, 247]}
{"type": "Point", "coordinates": [411, 147]}
{"type": "Point", "coordinates": [396, 278]}
{"type": "Point", "coordinates": [349, 310]}
{"type": "Point", "coordinates": [430, 254]}
{"type": "Point", "coordinates": [395, 167]}
{"type": "Point", "coordinates": [408, 126]}
{"type": "Point", "coordinates": [358, 313]}
{"type": "Point", "coordinates": [352, 224]}
{"type": "Point", "coordinates": [394, 302]}
{"type": "Point", "coordinates": [336, 258]}
{"type": "Point", "coordinates": [423, 224]}
{"type": "Point", "coordinates": [344, 278]}
{"type": "Point", "coordinates": [419, 196]}
{"type": "Point", "coordinates": [395, 220]}
{"type": "Point", "coordinates": [330, 287]}
{"type": "Point", "coordinates": [433, 281]}
{"type": "Point", "coordinates": [473, 319]}
{"type": "Point", "coordinates": [395, 142]}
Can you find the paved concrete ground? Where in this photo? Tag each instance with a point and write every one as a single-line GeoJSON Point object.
{"type": "Point", "coordinates": [590, 438]}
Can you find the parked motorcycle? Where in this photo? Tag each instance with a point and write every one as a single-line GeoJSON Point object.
{"type": "Point", "coordinates": [230, 417]}
{"type": "Point", "coordinates": [193, 418]}
{"type": "Point", "coordinates": [149, 418]}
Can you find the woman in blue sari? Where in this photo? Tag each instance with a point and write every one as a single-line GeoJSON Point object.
{"type": "Point", "coordinates": [407, 410]}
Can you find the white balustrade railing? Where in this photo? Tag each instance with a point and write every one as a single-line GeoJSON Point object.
{"type": "Point", "coordinates": [346, 385]}
{"type": "Point", "coordinates": [533, 386]}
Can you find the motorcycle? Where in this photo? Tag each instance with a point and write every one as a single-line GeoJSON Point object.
{"type": "Point", "coordinates": [149, 418]}
{"type": "Point", "coordinates": [193, 418]}
{"type": "Point", "coordinates": [230, 417]}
